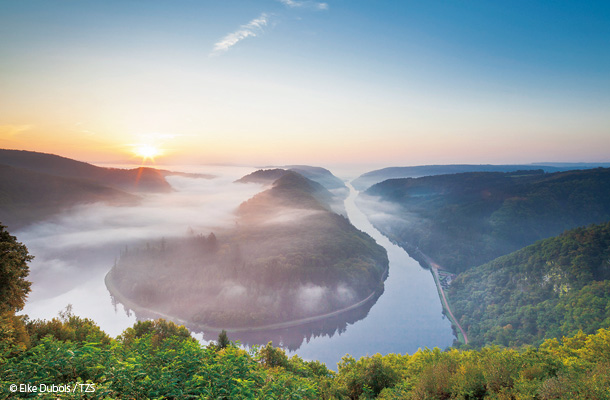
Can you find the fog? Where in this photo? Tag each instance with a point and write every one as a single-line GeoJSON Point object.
{"type": "Point", "coordinates": [74, 250]}
{"type": "Point", "coordinates": [386, 214]}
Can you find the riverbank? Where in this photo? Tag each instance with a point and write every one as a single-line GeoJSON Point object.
{"type": "Point", "coordinates": [434, 267]}
{"type": "Point", "coordinates": [426, 262]}
{"type": "Point", "coordinates": [114, 291]}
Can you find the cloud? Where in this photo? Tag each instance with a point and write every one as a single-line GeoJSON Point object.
{"type": "Point", "coordinates": [251, 29]}
{"type": "Point", "coordinates": [304, 4]}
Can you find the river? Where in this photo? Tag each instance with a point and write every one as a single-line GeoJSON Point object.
{"type": "Point", "coordinates": [406, 317]}
{"type": "Point", "coordinates": [75, 251]}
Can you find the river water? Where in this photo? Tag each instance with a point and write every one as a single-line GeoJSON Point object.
{"type": "Point", "coordinates": [75, 251]}
{"type": "Point", "coordinates": [406, 317]}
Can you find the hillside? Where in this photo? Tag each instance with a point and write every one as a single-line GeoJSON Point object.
{"type": "Point", "coordinates": [287, 258]}
{"type": "Point", "coordinates": [553, 288]}
{"type": "Point", "coordinates": [329, 189]}
{"type": "Point", "coordinates": [263, 176]}
{"type": "Point", "coordinates": [27, 196]}
{"type": "Point", "coordinates": [368, 179]}
{"type": "Point", "coordinates": [321, 175]}
{"type": "Point", "coordinates": [464, 220]}
{"type": "Point", "coordinates": [132, 180]}
{"type": "Point", "coordinates": [290, 189]}
{"type": "Point", "coordinates": [317, 174]}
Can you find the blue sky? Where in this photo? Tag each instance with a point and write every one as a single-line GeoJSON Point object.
{"type": "Point", "coordinates": [272, 81]}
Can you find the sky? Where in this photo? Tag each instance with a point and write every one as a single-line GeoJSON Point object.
{"type": "Point", "coordinates": [262, 82]}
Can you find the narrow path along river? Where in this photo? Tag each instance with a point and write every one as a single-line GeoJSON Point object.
{"type": "Point", "coordinates": [406, 317]}
{"type": "Point", "coordinates": [435, 267]}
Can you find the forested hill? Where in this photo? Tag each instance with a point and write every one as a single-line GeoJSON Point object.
{"type": "Point", "coordinates": [550, 289]}
{"type": "Point", "coordinates": [321, 175]}
{"type": "Point", "coordinates": [312, 181]}
{"type": "Point", "coordinates": [317, 174]}
{"type": "Point", "coordinates": [368, 179]}
{"type": "Point", "coordinates": [465, 220]}
{"type": "Point", "coordinates": [28, 196]}
{"type": "Point", "coordinates": [289, 190]}
{"type": "Point", "coordinates": [132, 180]}
{"type": "Point", "coordinates": [264, 176]}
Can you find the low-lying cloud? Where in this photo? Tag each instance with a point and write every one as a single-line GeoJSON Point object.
{"type": "Point", "coordinates": [81, 244]}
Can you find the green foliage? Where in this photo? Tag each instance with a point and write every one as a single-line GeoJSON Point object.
{"type": "Point", "coordinates": [14, 287]}
{"type": "Point", "coordinates": [13, 333]}
{"type": "Point", "coordinates": [367, 377]}
{"type": "Point", "coordinates": [465, 220]}
{"type": "Point", "coordinates": [223, 340]}
{"type": "Point", "coordinates": [158, 363]}
{"type": "Point", "coordinates": [67, 327]}
{"type": "Point", "coordinates": [157, 330]}
{"type": "Point", "coordinates": [553, 288]}
{"type": "Point", "coordinates": [271, 357]}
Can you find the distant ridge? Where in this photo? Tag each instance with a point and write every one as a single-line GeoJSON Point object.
{"type": "Point", "coordinates": [34, 186]}
{"type": "Point", "coordinates": [293, 189]}
{"type": "Point", "coordinates": [28, 196]}
{"type": "Point", "coordinates": [368, 179]}
{"type": "Point", "coordinates": [264, 176]}
{"type": "Point", "coordinates": [321, 180]}
{"type": "Point", "coordinates": [141, 179]}
{"type": "Point", "coordinates": [464, 220]}
{"type": "Point", "coordinates": [317, 174]}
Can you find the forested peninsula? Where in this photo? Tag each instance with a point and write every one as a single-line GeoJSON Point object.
{"type": "Point", "coordinates": [288, 258]}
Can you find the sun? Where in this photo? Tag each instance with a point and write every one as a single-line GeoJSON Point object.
{"type": "Point", "coordinates": [147, 152]}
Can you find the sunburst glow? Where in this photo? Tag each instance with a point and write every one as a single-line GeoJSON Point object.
{"type": "Point", "coordinates": [147, 152]}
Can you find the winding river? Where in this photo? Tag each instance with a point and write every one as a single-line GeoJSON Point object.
{"type": "Point", "coordinates": [70, 267]}
{"type": "Point", "coordinates": [406, 317]}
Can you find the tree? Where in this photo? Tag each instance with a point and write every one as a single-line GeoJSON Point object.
{"type": "Point", "coordinates": [14, 289]}
{"type": "Point", "coordinates": [223, 340]}
{"type": "Point", "coordinates": [158, 330]}
{"type": "Point", "coordinates": [212, 242]}
{"type": "Point", "coordinates": [68, 327]}
{"type": "Point", "coordinates": [14, 257]}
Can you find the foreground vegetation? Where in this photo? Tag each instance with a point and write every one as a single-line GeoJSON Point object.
{"type": "Point", "coordinates": [159, 360]}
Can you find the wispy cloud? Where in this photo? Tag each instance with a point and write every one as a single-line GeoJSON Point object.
{"type": "Point", "coordinates": [304, 4]}
{"type": "Point", "coordinates": [251, 29]}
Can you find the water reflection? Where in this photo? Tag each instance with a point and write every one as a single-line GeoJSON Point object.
{"type": "Point", "coordinates": [290, 338]}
